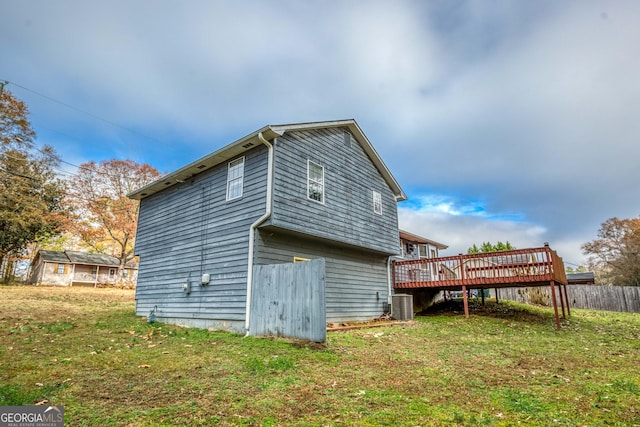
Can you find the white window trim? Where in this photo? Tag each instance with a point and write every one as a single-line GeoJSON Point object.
{"type": "Point", "coordinates": [240, 178]}
{"type": "Point", "coordinates": [321, 182]}
{"type": "Point", "coordinates": [377, 202]}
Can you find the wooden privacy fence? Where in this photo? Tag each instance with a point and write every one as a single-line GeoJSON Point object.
{"type": "Point", "coordinates": [288, 300]}
{"type": "Point", "coordinates": [609, 298]}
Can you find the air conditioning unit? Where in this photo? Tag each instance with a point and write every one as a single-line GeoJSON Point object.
{"type": "Point", "coordinates": [402, 306]}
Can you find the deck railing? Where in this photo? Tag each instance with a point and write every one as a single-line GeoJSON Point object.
{"type": "Point", "coordinates": [483, 270]}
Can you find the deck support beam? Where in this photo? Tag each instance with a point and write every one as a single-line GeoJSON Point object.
{"type": "Point", "coordinates": [555, 304]}
{"type": "Point", "coordinates": [561, 301]}
{"type": "Point", "coordinates": [465, 301]}
{"type": "Point", "coordinates": [566, 298]}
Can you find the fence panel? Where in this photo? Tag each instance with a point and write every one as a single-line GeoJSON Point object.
{"type": "Point", "coordinates": [609, 298]}
{"type": "Point", "coordinates": [288, 300]}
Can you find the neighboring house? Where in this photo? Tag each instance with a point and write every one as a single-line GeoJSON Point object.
{"type": "Point", "coordinates": [280, 195]}
{"type": "Point", "coordinates": [72, 268]}
{"type": "Point", "coordinates": [587, 278]}
{"type": "Point", "coordinates": [416, 247]}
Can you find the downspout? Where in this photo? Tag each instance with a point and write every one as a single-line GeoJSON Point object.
{"type": "Point", "coordinates": [389, 284]}
{"type": "Point", "coordinates": [252, 230]}
{"type": "Point", "coordinates": [390, 263]}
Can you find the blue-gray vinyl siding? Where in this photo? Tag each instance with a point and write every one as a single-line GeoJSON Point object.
{"type": "Point", "coordinates": [190, 229]}
{"type": "Point", "coordinates": [347, 215]}
{"type": "Point", "coordinates": [356, 281]}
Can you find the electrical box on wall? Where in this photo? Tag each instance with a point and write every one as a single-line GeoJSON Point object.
{"type": "Point", "coordinates": [186, 287]}
{"type": "Point", "coordinates": [205, 279]}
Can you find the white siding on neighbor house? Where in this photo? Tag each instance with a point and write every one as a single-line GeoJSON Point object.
{"type": "Point", "coordinates": [191, 229]}
{"type": "Point", "coordinates": [346, 215]}
{"type": "Point", "coordinates": [356, 280]}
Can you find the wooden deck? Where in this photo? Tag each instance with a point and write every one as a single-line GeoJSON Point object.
{"type": "Point", "coordinates": [516, 268]}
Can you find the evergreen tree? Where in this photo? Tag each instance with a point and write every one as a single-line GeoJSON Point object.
{"type": "Point", "coordinates": [490, 247]}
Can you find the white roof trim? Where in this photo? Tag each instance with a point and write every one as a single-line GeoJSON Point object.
{"type": "Point", "coordinates": [269, 132]}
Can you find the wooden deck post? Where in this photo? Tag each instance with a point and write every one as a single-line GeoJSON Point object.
{"type": "Point", "coordinates": [561, 301]}
{"type": "Point", "coordinates": [566, 298]}
{"type": "Point", "coordinates": [497, 301]}
{"type": "Point", "coordinates": [465, 301]}
{"type": "Point", "coordinates": [555, 304]}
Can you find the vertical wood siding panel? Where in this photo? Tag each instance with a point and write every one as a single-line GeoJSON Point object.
{"type": "Point", "coordinates": [288, 300]}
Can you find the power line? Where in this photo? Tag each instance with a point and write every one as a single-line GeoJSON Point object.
{"type": "Point", "coordinates": [80, 110]}
{"type": "Point", "coordinates": [17, 174]}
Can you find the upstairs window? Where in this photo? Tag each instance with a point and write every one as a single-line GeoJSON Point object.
{"type": "Point", "coordinates": [377, 202]}
{"type": "Point", "coordinates": [423, 251]}
{"type": "Point", "coordinates": [235, 178]}
{"type": "Point", "coordinates": [315, 182]}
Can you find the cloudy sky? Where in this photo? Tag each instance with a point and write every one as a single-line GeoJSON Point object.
{"type": "Point", "coordinates": [502, 120]}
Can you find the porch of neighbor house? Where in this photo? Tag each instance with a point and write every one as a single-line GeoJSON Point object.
{"type": "Point", "coordinates": [505, 269]}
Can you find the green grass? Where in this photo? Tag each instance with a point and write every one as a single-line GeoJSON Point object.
{"type": "Point", "coordinates": [505, 365]}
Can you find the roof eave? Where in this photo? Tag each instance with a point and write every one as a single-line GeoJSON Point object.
{"type": "Point", "coordinates": [204, 163]}
{"type": "Point", "coordinates": [269, 132]}
{"type": "Point", "coordinates": [420, 239]}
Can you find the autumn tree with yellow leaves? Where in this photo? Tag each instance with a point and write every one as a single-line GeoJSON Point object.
{"type": "Point", "coordinates": [102, 217]}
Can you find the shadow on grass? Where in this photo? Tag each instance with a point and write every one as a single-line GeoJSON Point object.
{"type": "Point", "coordinates": [506, 310]}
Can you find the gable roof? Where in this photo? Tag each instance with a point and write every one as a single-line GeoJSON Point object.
{"type": "Point", "coordinates": [405, 235]}
{"type": "Point", "coordinates": [95, 259]}
{"type": "Point", "coordinates": [77, 257]}
{"type": "Point", "coordinates": [250, 141]}
{"type": "Point", "coordinates": [53, 256]}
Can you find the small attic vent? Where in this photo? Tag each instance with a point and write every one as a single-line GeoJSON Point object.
{"type": "Point", "coordinates": [247, 145]}
{"type": "Point", "coordinates": [202, 166]}
{"type": "Point", "coordinates": [347, 139]}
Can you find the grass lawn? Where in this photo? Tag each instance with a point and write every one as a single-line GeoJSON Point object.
{"type": "Point", "coordinates": [505, 365]}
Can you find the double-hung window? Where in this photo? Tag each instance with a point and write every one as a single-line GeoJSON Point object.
{"type": "Point", "coordinates": [235, 178]}
{"type": "Point", "coordinates": [315, 181]}
{"type": "Point", "coordinates": [377, 202]}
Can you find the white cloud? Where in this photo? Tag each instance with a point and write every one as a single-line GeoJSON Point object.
{"type": "Point", "coordinates": [460, 232]}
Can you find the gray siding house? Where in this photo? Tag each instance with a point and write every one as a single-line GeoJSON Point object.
{"type": "Point", "coordinates": [282, 194]}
